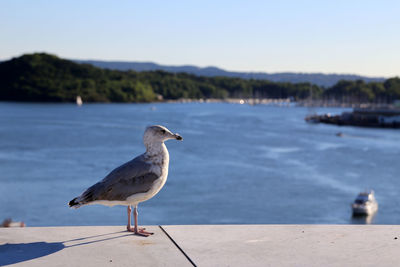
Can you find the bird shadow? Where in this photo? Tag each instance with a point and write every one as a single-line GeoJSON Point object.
{"type": "Point", "coordinates": [20, 252]}
{"type": "Point", "coordinates": [15, 253]}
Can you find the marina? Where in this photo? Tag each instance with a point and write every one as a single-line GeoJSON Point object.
{"type": "Point", "coordinates": [363, 117]}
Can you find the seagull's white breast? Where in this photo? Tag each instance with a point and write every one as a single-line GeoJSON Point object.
{"type": "Point", "coordinates": [160, 163]}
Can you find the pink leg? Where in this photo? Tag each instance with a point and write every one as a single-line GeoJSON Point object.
{"type": "Point", "coordinates": [137, 230]}
{"type": "Point", "coordinates": [128, 227]}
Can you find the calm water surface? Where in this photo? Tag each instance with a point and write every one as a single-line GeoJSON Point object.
{"type": "Point", "coordinates": [237, 164]}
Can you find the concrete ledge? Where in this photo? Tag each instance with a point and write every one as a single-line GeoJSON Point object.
{"type": "Point", "coordinates": [87, 246]}
{"type": "Point", "coordinates": [289, 245]}
{"type": "Point", "coordinates": [205, 245]}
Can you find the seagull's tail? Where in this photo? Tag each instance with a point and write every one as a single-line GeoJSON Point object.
{"type": "Point", "coordinates": [74, 203]}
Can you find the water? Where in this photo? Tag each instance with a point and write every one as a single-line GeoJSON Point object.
{"type": "Point", "coordinates": [237, 164]}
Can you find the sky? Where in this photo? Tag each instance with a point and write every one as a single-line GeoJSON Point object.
{"type": "Point", "coordinates": [353, 37]}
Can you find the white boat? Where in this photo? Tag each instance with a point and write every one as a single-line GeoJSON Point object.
{"type": "Point", "coordinates": [365, 204]}
{"type": "Point", "coordinates": [79, 101]}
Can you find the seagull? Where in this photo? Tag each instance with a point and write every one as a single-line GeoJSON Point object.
{"type": "Point", "coordinates": [136, 181]}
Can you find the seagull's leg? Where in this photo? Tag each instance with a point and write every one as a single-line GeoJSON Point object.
{"type": "Point", "coordinates": [139, 231]}
{"type": "Point", "coordinates": [128, 227]}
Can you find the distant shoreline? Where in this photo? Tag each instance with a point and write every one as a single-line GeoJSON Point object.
{"type": "Point", "coordinates": [282, 102]}
{"type": "Point", "coordinates": [46, 78]}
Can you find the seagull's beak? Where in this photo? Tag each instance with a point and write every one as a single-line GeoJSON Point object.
{"type": "Point", "coordinates": [178, 137]}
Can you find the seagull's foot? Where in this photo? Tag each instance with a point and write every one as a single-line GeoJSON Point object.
{"type": "Point", "coordinates": [132, 229]}
{"type": "Point", "coordinates": [141, 231]}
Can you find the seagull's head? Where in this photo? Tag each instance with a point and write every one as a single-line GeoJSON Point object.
{"type": "Point", "coordinates": [158, 133]}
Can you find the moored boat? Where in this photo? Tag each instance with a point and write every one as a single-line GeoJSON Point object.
{"type": "Point", "coordinates": [365, 204]}
{"type": "Point", "coordinates": [79, 101]}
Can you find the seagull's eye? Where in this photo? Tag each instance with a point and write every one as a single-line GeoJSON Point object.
{"type": "Point", "coordinates": [163, 131]}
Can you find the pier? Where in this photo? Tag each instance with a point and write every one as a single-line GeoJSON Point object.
{"type": "Point", "coordinates": [203, 245]}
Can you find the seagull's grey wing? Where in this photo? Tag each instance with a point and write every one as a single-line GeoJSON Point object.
{"type": "Point", "coordinates": [130, 178]}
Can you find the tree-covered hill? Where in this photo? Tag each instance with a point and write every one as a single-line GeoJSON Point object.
{"type": "Point", "coordinates": [361, 92]}
{"type": "Point", "coordinates": [47, 78]}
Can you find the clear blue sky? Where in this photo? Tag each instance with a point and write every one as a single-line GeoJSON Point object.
{"type": "Point", "coordinates": [353, 36]}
